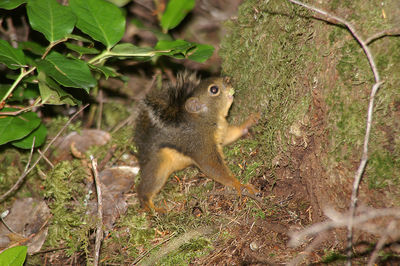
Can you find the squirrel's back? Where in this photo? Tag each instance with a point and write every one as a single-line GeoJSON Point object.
{"type": "Point", "coordinates": [161, 120]}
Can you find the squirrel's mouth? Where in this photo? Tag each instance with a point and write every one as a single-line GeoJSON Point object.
{"type": "Point", "coordinates": [231, 92]}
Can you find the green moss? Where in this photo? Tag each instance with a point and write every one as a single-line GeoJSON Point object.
{"type": "Point", "coordinates": [266, 51]}
{"type": "Point", "coordinates": [12, 164]}
{"type": "Point", "coordinates": [65, 191]}
{"type": "Point", "coordinates": [333, 256]}
{"type": "Point", "coordinates": [384, 169]}
{"type": "Point", "coordinates": [59, 122]}
{"type": "Point", "coordinates": [187, 252]}
{"type": "Point", "coordinates": [114, 113]}
{"type": "Point", "coordinates": [348, 101]}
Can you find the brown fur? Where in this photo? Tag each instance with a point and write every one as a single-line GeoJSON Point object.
{"type": "Point", "coordinates": [182, 126]}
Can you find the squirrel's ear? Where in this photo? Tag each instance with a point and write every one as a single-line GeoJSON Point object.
{"type": "Point", "coordinates": [193, 105]}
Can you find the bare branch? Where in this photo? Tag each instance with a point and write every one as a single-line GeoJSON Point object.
{"type": "Point", "coordinates": [30, 154]}
{"type": "Point", "coordinates": [338, 220]}
{"type": "Point", "coordinates": [361, 168]}
{"type": "Point", "coordinates": [335, 19]}
{"type": "Point", "coordinates": [25, 173]}
{"type": "Point", "coordinates": [389, 231]}
{"type": "Point", "coordinates": [100, 99]}
{"type": "Point", "coordinates": [37, 103]}
{"type": "Point", "coordinates": [11, 32]}
{"type": "Point", "coordinates": [99, 227]}
{"type": "Point", "coordinates": [391, 32]}
{"type": "Point", "coordinates": [45, 158]}
{"type": "Point", "coordinates": [315, 243]}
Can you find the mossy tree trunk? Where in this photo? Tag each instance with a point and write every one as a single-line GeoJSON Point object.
{"type": "Point", "coordinates": [311, 81]}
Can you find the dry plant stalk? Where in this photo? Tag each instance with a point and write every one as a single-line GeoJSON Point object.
{"type": "Point", "coordinates": [99, 227]}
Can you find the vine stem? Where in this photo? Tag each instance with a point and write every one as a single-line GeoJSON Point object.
{"type": "Point", "coordinates": [364, 157]}
{"type": "Point", "coordinates": [15, 83]}
{"type": "Point", "coordinates": [25, 73]}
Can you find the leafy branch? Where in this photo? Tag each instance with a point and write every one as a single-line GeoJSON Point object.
{"type": "Point", "coordinates": [50, 74]}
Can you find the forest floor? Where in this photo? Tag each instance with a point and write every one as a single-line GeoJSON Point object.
{"type": "Point", "coordinates": [205, 223]}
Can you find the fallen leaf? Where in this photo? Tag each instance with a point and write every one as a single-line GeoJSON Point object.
{"type": "Point", "coordinates": [115, 183]}
{"type": "Point", "coordinates": [81, 142]}
{"type": "Point", "coordinates": [28, 219]}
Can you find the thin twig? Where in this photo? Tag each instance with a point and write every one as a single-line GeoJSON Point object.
{"type": "Point", "coordinates": [51, 45]}
{"type": "Point", "coordinates": [3, 215]}
{"type": "Point", "coordinates": [11, 32]}
{"type": "Point", "coordinates": [37, 103]}
{"type": "Point", "coordinates": [350, 27]}
{"type": "Point", "coordinates": [25, 173]}
{"type": "Point", "coordinates": [388, 232]}
{"type": "Point", "coordinates": [360, 170]}
{"type": "Point", "coordinates": [30, 155]}
{"type": "Point", "coordinates": [126, 121]}
{"type": "Point", "coordinates": [45, 158]}
{"type": "Point", "coordinates": [375, 87]}
{"type": "Point", "coordinates": [100, 111]}
{"type": "Point", "coordinates": [338, 220]}
{"type": "Point", "coordinates": [315, 243]}
{"type": "Point", "coordinates": [15, 83]}
{"type": "Point", "coordinates": [107, 157]}
{"type": "Point", "coordinates": [99, 227]}
{"type": "Point", "coordinates": [376, 36]}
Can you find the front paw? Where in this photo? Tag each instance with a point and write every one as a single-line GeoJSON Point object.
{"type": "Point", "coordinates": [251, 120]}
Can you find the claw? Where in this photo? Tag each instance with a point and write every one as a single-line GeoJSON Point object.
{"type": "Point", "coordinates": [251, 120]}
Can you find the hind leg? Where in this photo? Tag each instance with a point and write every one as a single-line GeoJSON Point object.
{"type": "Point", "coordinates": [213, 166]}
{"type": "Point", "coordinates": [155, 173]}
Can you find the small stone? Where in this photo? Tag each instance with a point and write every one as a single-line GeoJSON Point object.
{"type": "Point", "coordinates": [254, 246]}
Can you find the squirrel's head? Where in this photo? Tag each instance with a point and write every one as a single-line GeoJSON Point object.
{"type": "Point", "coordinates": [212, 96]}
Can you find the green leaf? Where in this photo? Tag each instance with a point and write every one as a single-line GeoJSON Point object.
{"type": "Point", "coordinates": [51, 93]}
{"type": "Point", "coordinates": [24, 92]}
{"type": "Point", "coordinates": [17, 127]}
{"type": "Point", "coordinates": [11, 4]}
{"type": "Point", "coordinates": [79, 38]}
{"type": "Point", "coordinates": [14, 256]}
{"type": "Point", "coordinates": [106, 71]}
{"type": "Point", "coordinates": [68, 72]}
{"type": "Point", "coordinates": [55, 21]}
{"type": "Point", "coordinates": [175, 12]}
{"type": "Point", "coordinates": [177, 48]}
{"type": "Point", "coordinates": [33, 47]}
{"type": "Point", "coordinates": [201, 53]}
{"type": "Point", "coordinates": [81, 50]}
{"type": "Point", "coordinates": [100, 19]}
{"type": "Point", "coordinates": [130, 50]}
{"type": "Point", "coordinates": [14, 58]}
{"type": "Point", "coordinates": [176, 45]}
{"type": "Point", "coordinates": [39, 134]}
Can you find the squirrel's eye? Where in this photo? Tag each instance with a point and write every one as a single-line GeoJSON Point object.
{"type": "Point", "coordinates": [214, 90]}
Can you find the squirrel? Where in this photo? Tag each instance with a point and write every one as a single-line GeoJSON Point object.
{"type": "Point", "coordinates": [186, 125]}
